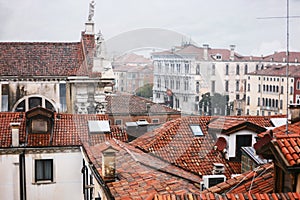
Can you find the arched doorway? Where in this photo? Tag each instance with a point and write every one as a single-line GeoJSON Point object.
{"type": "Point", "coordinates": [28, 102]}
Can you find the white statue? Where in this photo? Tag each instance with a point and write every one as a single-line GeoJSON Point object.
{"type": "Point", "coordinates": [91, 10]}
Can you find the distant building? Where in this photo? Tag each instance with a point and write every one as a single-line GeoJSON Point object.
{"type": "Point", "coordinates": [132, 72]}
{"type": "Point", "coordinates": [269, 89]}
{"type": "Point", "coordinates": [182, 75]}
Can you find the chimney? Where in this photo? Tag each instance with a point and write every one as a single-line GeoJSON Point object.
{"type": "Point", "coordinates": [232, 47]}
{"type": "Point", "coordinates": [205, 52]}
{"type": "Point", "coordinates": [218, 168]}
{"type": "Point", "coordinates": [294, 113]}
{"type": "Point", "coordinates": [109, 164]}
{"type": "Point", "coordinates": [15, 133]}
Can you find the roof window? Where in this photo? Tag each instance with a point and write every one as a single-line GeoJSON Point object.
{"type": "Point", "coordinates": [196, 129]}
{"type": "Point", "coordinates": [99, 126]}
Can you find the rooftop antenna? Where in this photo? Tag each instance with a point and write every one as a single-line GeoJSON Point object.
{"type": "Point", "coordinates": [287, 57]}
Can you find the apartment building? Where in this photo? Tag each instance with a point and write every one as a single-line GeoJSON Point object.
{"type": "Point", "coordinates": [183, 74]}
{"type": "Point", "coordinates": [270, 91]}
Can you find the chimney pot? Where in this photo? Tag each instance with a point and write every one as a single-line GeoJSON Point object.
{"type": "Point", "coordinates": [15, 126]}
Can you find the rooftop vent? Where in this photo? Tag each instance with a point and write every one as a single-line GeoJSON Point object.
{"type": "Point", "coordinates": [218, 168]}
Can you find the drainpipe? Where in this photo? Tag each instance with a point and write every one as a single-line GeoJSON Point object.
{"type": "Point", "coordinates": [22, 176]}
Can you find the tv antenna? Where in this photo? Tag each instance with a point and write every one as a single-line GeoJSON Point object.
{"type": "Point", "coordinates": [287, 17]}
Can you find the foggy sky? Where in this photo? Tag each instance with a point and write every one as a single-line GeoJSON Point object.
{"type": "Point", "coordinates": [218, 23]}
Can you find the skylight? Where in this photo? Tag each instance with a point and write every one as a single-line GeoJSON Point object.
{"type": "Point", "coordinates": [99, 126]}
{"type": "Point", "coordinates": [196, 129]}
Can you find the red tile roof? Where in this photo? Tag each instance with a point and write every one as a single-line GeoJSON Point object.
{"type": "Point", "coordinates": [258, 181]}
{"type": "Point", "coordinates": [230, 196]}
{"type": "Point", "coordinates": [287, 145]}
{"type": "Point", "coordinates": [278, 70]}
{"type": "Point", "coordinates": [69, 130]}
{"type": "Point", "coordinates": [47, 58]}
{"type": "Point", "coordinates": [141, 175]}
{"type": "Point", "coordinates": [134, 105]}
{"type": "Point", "coordinates": [176, 143]}
{"type": "Point", "coordinates": [280, 56]}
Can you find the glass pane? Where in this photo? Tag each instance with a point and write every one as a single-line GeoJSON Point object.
{"type": "Point", "coordinates": [35, 102]}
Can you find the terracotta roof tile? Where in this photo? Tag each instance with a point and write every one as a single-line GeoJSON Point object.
{"type": "Point", "coordinates": [259, 181]}
{"type": "Point", "coordinates": [229, 196]}
{"type": "Point", "coordinates": [68, 130]}
{"type": "Point", "coordinates": [141, 175]}
{"type": "Point", "coordinates": [131, 104]}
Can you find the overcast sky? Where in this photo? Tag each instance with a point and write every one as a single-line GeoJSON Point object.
{"type": "Point", "coordinates": [218, 23]}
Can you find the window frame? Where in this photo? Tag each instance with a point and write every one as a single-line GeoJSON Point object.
{"type": "Point", "coordinates": [44, 179]}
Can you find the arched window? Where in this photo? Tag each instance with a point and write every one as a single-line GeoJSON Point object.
{"type": "Point", "coordinates": [32, 101]}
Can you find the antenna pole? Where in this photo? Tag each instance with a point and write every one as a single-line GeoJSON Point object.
{"type": "Point", "coordinates": [287, 65]}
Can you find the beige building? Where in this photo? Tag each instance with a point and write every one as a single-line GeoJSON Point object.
{"type": "Point", "coordinates": [190, 71]}
{"type": "Point", "coordinates": [132, 71]}
{"type": "Point", "coordinates": [269, 90]}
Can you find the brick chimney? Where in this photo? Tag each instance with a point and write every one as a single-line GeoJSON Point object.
{"type": "Point", "coordinates": [294, 113]}
{"type": "Point", "coordinates": [232, 47]}
{"type": "Point", "coordinates": [15, 132]}
{"type": "Point", "coordinates": [205, 51]}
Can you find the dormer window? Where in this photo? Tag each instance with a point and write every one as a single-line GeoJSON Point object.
{"type": "Point", "coordinates": [218, 57]}
{"type": "Point", "coordinates": [109, 163]}
{"type": "Point", "coordinates": [39, 120]}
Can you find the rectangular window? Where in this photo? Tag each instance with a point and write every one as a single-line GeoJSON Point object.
{"type": "Point", "coordinates": [63, 97]}
{"type": "Point", "coordinates": [198, 69]}
{"type": "Point", "coordinates": [226, 86]}
{"type": "Point", "coordinates": [155, 121]}
{"type": "Point", "coordinates": [186, 68]}
{"type": "Point", "coordinates": [237, 86]}
{"type": "Point", "coordinates": [213, 86]}
{"type": "Point", "coordinates": [44, 170]}
{"type": "Point", "coordinates": [213, 69]}
{"type": "Point", "coordinates": [258, 101]}
{"type": "Point", "coordinates": [178, 67]}
{"type": "Point", "coordinates": [227, 69]}
{"type": "Point", "coordinates": [177, 84]}
{"type": "Point", "coordinates": [118, 122]}
{"type": "Point", "coordinates": [237, 69]}
{"type": "Point", "coordinates": [4, 97]}
{"type": "Point", "coordinates": [186, 85]}
{"type": "Point", "coordinates": [246, 69]}
{"type": "Point", "coordinates": [258, 87]}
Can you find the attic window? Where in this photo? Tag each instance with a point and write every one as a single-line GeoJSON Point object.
{"type": "Point", "coordinates": [99, 126]}
{"type": "Point", "coordinates": [219, 57]}
{"type": "Point", "coordinates": [196, 129]}
{"type": "Point", "coordinates": [39, 126]}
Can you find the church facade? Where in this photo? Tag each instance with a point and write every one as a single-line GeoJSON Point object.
{"type": "Point", "coordinates": [68, 77]}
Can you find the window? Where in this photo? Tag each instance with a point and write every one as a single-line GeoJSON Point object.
{"type": "Point", "coordinates": [248, 87]}
{"type": "Point", "coordinates": [172, 67]}
{"type": "Point", "coordinates": [258, 101]}
{"type": "Point", "coordinates": [258, 87]}
{"type": "Point", "coordinates": [198, 69]}
{"type": "Point", "coordinates": [39, 126]}
{"type": "Point", "coordinates": [197, 87]}
{"type": "Point", "coordinates": [281, 91]}
{"type": "Point", "coordinates": [298, 85]}
{"type": "Point", "coordinates": [213, 86]}
{"type": "Point", "coordinates": [158, 82]}
{"type": "Point", "coordinates": [186, 85]}
{"type": "Point", "coordinates": [196, 129]}
{"type": "Point", "coordinates": [178, 67]}
{"type": "Point", "coordinates": [155, 121]}
{"type": "Point", "coordinates": [186, 68]}
{"type": "Point", "coordinates": [185, 98]}
{"type": "Point", "coordinates": [177, 84]}
{"type": "Point", "coordinates": [237, 69]}
{"type": "Point", "coordinates": [118, 122]}
{"type": "Point", "coordinates": [226, 86]}
{"type": "Point", "coordinates": [44, 170]}
{"type": "Point", "coordinates": [4, 97]}
{"type": "Point", "coordinates": [227, 69]}
{"type": "Point", "coordinates": [62, 97]}
{"type": "Point", "coordinates": [237, 86]}
{"type": "Point", "coordinates": [248, 100]}
{"type": "Point", "coordinates": [213, 69]}
{"type": "Point", "coordinates": [291, 90]}
{"type": "Point", "coordinates": [246, 69]}
{"type": "Point", "coordinates": [172, 84]}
